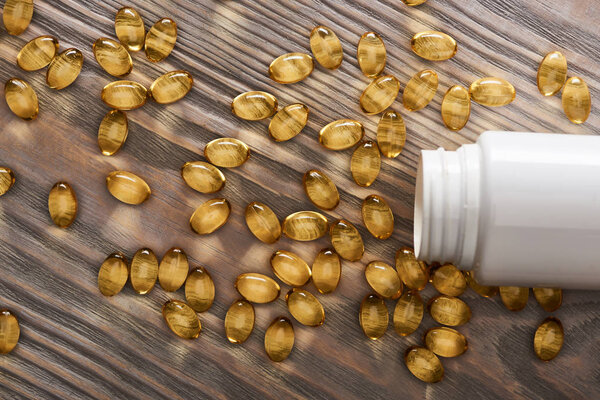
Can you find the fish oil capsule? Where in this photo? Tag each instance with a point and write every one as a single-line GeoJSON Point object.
{"type": "Point", "coordinates": [64, 69]}
{"type": "Point", "coordinates": [262, 222]}
{"type": "Point", "coordinates": [181, 319]}
{"type": "Point", "coordinates": [326, 271]}
{"type": "Point", "coordinates": [291, 68]}
{"type": "Point", "coordinates": [127, 187]}
{"type": "Point", "coordinates": [9, 331]}
{"type": "Point", "coordinates": [492, 92]}
{"type": "Point", "coordinates": [371, 54]}
{"type": "Point", "coordinates": [62, 204]}
{"type": "Point", "coordinates": [320, 190]}
{"type": "Point", "coordinates": [408, 313]}
{"type": "Point", "coordinates": [365, 163]}
{"type": "Point", "coordinates": [552, 73]}
{"type": "Point", "coordinates": [199, 290]}
{"type": "Point", "coordinates": [456, 108]}
{"type": "Point", "coordinates": [202, 176]}
{"type": "Point", "coordinates": [380, 94]}
{"type": "Point", "coordinates": [514, 298]}
{"type": "Point", "coordinates": [290, 268]}
{"type": "Point", "coordinates": [124, 95]}
{"type": "Point", "coordinates": [112, 132]}
{"type": "Point", "coordinates": [129, 28]}
{"type": "Point", "coordinates": [424, 364]}
{"type": "Point", "coordinates": [549, 298]}
{"type": "Point", "coordinates": [257, 288]}
{"type": "Point", "coordinates": [113, 57]}
{"type": "Point", "coordinates": [17, 15]}
{"type": "Point", "coordinates": [239, 321]}
{"type": "Point", "coordinates": [445, 342]}
{"type": "Point", "coordinates": [288, 122]}
{"type": "Point", "coordinates": [113, 274]}
{"type": "Point", "coordinates": [485, 291]}
{"type": "Point", "coordinates": [449, 280]}
{"type": "Point", "coordinates": [144, 271]}
{"type": "Point", "coordinates": [21, 99]}
{"type": "Point", "coordinates": [373, 316]}
{"type": "Point", "coordinates": [305, 307]}
{"type": "Point", "coordinates": [279, 339]}
{"type": "Point", "coordinates": [210, 216]}
{"type": "Point", "coordinates": [448, 310]}
{"type": "Point", "coordinates": [391, 134]}
{"type": "Point", "coordinates": [305, 226]}
{"type": "Point", "coordinates": [160, 40]}
{"type": "Point", "coordinates": [37, 53]}
{"type": "Point", "coordinates": [346, 240]}
{"type": "Point", "coordinates": [227, 152]}
{"type": "Point", "coordinates": [548, 339]}
{"type": "Point", "coordinates": [173, 270]}
{"type": "Point", "coordinates": [413, 3]}
{"type": "Point", "coordinates": [254, 106]}
{"type": "Point", "coordinates": [434, 46]}
{"type": "Point", "coordinates": [171, 87]}
{"type": "Point", "coordinates": [412, 272]}
{"type": "Point", "coordinates": [326, 47]}
{"type": "Point", "coordinates": [7, 179]}
{"type": "Point", "coordinates": [378, 217]}
{"type": "Point", "coordinates": [576, 100]}
{"type": "Point", "coordinates": [420, 90]}
{"type": "Point", "coordinates": [383, 279]}
{"type": "Point", "coordinates": [341, 134]}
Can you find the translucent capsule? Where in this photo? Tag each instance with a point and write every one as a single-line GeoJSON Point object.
{"type": "Point", "coordinates": [378, 217]}
{"type": "Point", "coordinates": [434, 46]}
{"type": "Point", "coordinates": [485, 291]}
{"type": "Point", "coordinates": [113, 57]}
{"type": "Point", "coordinates": [373, 316]}
{"type": "Point", "coordinates": [380, 94]}
{"type": "Point", "coordinates": [171, 87]}
{"type": "Point", "coordinates": [456, 108]}
{"type": "Point", "coordinates": [445, 342]}
{"type": "Point", "coordinates": [412, 272]}
{"type": "Point", "coordinates": [288, 122]}
{"type": "Point", "coordinates": [62, 204]}
{"type": "Point", "coordinates": [549, 298]}
{"type": "Point", "coordinates": [124, 95]}
{"type": "Point", "coordinates": [514, 298]}
{"type": "Point", "coordinates": [576, 100]}
{"type": "Point", "coordinates": [449, 280]}
{"type": "Point", "coordinates": [492, 92]}
{"type": "Point", "coordinates": [199, 289]}
{"type": "Point", "coordinates": [144, 271]}
{"type": "Point", "coordinates": [383, 279]}
{"type": "Point", "coordinates": [173, 270]}
{"type": "Point", "coordinates": [365, 163]}
{"type": "Point", "coordinates": [129, 28]}
{"type": "Point", "coordinates": [239, 321]}
{"type": "Point", "coordinates": [346, 240]}
{"type": "Point", "coordinates": [279, 339]}
{"type": "Point", "coordinates": [290, 268]}
{"type": "Point", "coordinates": [112, 132]}
{"type": "Point", "coordinates": [548, 339]}
{"type": "Point", "coordinates": [202, 176]}
{"type": "Point", "coordinates": [17, 15]}
{"type": "Point", "coordinates": [257, 288]}
{"type": "Point", "coordinates": [7, 179]}
{"type": "Point", "coordinates": [326, 47]}
{"type": "Point", "coordinates": [371, 54]}
{"type": "Point", "coordinates": [413, 3]}
{"type": "Point", "coordinates": [424, 364]}
{"type": "Point", "coordinates": [21, 99]}
{"type": "Point", "coordinates": [181, 319]}
{"type": "Point", "coordinates": [326, 271]}
{"type": "Point", "coordinates": [420, 90]}
{"type": "Point", "coordinates": [254, 106]}
{"type": "Point", "coordinates": [64, 69]}
{"type": "Point", "coordinates": [227, 152]}
{"type": "Point", "coordinates": [210, 216]}
{"type": "Point", "coordinates": [408, 313]}
{"type": "Point", "coordinates": [341, 134]}
{"type": "Point", "coordinates": [263, 222]}
{"type": "Point", "coordinates": [160, 40]}
{"type": "Point", "coordinates": [37, 53]}
{"type": "Point", "coordinates": [291, 67]}
{"type": "Point", "coordinates": [391, 134]}
{"type": "Point", "coordinates": [113, 274]}
{"type": "Point", "coordinates": [320, 190]}
{"type": "Point", "coordinates": [9, 331]}
{"type": "Point", "coordinates": [127, 187]}
{"type": "Point", "coordinates": [305, 226]}
{"type": "Point", "coordinates": [305, 307]}
{"type": "Point", "coordinates": [448, 310]}
{"type": "Point", "coordinates": [552, 73]}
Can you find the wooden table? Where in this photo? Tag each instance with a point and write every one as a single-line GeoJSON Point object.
{"type": "Point", "coordinates": [76, 343]}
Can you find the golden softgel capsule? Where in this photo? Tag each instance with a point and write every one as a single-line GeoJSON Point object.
{"type": "Point", "coordinates": [373, 316]}
{"type": "Point", "coordinates": [548, 339]}
{"type": "Point", "coordinates": [552, 73]}
{"type": "Point", "coordinates": [449, 280]}
{"type": "Point", "coordinates": [199, 289]}
{"type": "Point", "coordinates": [326, 47]}
{"type": "Point", "coordinates": [279, 339]}
{"type": "Point", "coordinates": [412, 272]}
{"type": "Point", "coordinates": [124, 95]}
{"type": "Point", "coordinates": [290, 268]}
{"type": "Point", "coordinates": [514, 298]}
{"type": "Point", "coordinates": [262, 222]}
{"type": "Point", "coordinates": [202, 176]}
{"type": "Point", "coordinates": [433, 45]}
{"type": "Point", "coordinates": [64, 69]}
{"type": "Point", "coordinates": [320, 189]}
{"type": "Point", "coordinates": [127, 187]}
{"type": "Point", "coordinates": [143, 271]}
{"type": "Point", "coordinates": [62, 204]}
{"type": "Point", "coordinates": [160, 40]}
{"type": "Point", "coordinates": [21, 99]}
{"type": "Point", "coordinates": [305, 226]}
{"type": "Point", "coordinates": [424, 364]}
{"type": "Point", "coordinates": [254, 106]}
{"type": "Point", "coordinates": [210, 216]}
{"type": "Point", "coordinates": [448, 310]}
{"type": "Point", "coordinates": [129, 28]}
{"type": "Point", "coordinates": [576, 100]}
{"type": "Point", "coordinates": [408, 313]}
{"type": "Point", "coordinates": [383, 279]}
{"type": "Point", "coordinates": [112, 132]}
{"type": "Point", "coordinates": [492, 92]}
{"type": "Point", "coordinates": [288, 122]}
{"type": "Point", "coordinates": [456, 108]}
{"type": "Point", "coordinates": [291, 67]}
{"type": "Point", "coordinates": [7, 179]}
{"type": "Point", "coordinates": [181, 319]}
{"type": "Point", "coordinates": [378, 217]}
{"type": "Point", "coordinates": [365, 163]}
{"type": "Point", "coordinates": [17, 15]}
{"type": "Point", "coordinates": [227, 152]}
{"type": "Point", "coordinates": [305, 307]}
{"type": "Point", "coordinates": [239, 321]}
{"type": "Point", "coordinates": [9, 331]}
{"type": "Point", "coordinates": [445, 342]}
{"type": "Point", "coordinates": [341, 134]}
{"type": "Point", "coordinates": [549, 298]}
{"type": "Point", "coordinates": [484, 291]}
{"type": "Point", "coordinates": [113, 274]}
{"type": "Point", "coordinates": [380, 94]}
{"type": "Point", "coordinates": [173, 270]}
{"type": "Point", "coordinates": [413, 3]}
{"type": "Point", "coordinates": [326, 271]}
{"type": "Point", "coordinates": [171, 87]}
{"type": "Point", "coordinates": [420, 90]}
{"type": "Point", "coordinates": [346, 240]}
{"type": "Point", "coordinates": [257, 288]}
{"type": "Point", "coordinates": [38, 53]}
{"type": "Point", "coordinates": [371, 54]}
{"type": "Point", "coordinates": [391, 133]}
{"type": "Point", "coordinates": [113, 57]}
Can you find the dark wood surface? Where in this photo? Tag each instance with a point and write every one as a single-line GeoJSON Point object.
{"type": "Point", "coordinates": [76, 343]}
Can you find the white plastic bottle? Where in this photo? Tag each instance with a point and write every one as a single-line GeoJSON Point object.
{"type": "Point", "coordinates": [519, 209]}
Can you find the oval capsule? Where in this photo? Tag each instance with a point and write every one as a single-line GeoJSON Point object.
{"type": "Point", "coordinates": [380, 94]}
{"type": "Point", "coordinates": [420, 90]}
{"type": "Point", "coordinates": [291, 68]}
{"type": "Point", "coordinates": [113, 274]}
{"type": "Point", "coordinates": [171, 87]}
{"type": "Point", "coordinates": [378, 217]}
{"type": "Point", "coordinates": [485, 291]}
{"type": "Point", "coordinates": [320, 190]}
{"type": "Point", "coordinates": [373, 316]}
{"type": "Point", "coordinates": [127, 187]}
{"type": "Point", "coordinates": [412, 272]}
{"type": "Point", "coordinates": [181, 319]}
{"type": "Point", "coordinates": [21, 99]}
{"type": "Point", "coordinates": [64, 69]}
{"type": "Point", "coordinates": [112, 132]}
{"type": "Point", "coordinates": [288, 122]}
{"type": "Point", "coordinates": [290, 268]}
{"type": "Point", "coordinates": [413, 3]}
{"type": "Point", "coordinates": [210, 216]}
{"type": "Point", "coordinates": [549, 298]}
{"type": "Point", "coordinates": [227, 152]}
{"type": "Point", "coordinates": [279, 339]}
{"type": "Point", "coordinates": [199, 289]}
{"type": "Point", "coordinates": [341, 134]}
{"type": "Point", "coordinates": [326, 271]}
{"type": "Point", "coordinates": [173, 270]}
{"type": "Point", "coordinates": [239, 321]}
{"type": "Point", "coordinates": [365, 163]}
{"type": "Point", "coordinates": [383, 279]}
{"type": "Point", "coordinates": [371, 54]}
{"type": "Point", "coordinates": [262, 222]}
{"type": "Point", "coordinates": [449, 280]}
{"type": "Point", "coordinates": [552, 73]}
{"type": "Point", "coordinates": [254, 106]}
{"type": "Point", "coordinates": [548, 339]}
{"type": "Point", "coordinates": [202, 176]}
{"type": "Point", "coordinates": [7, 179]}
{"type": "Point", "coordinates": [576, 100]}
{"type": "Point", "coordinates": [143, 271]}
{"type": "Point", "coordinates": [124, 95]}
{"type": "Point", "coordinates": [492, 92]}
{"type": "Point", "coordinates": [408, 313]}
{"type": "Point", "coordinates": [346, 240]}
{"type": "Point", "coordinates": [62, 204]}
{"type": "Point", "coordinates": [160, 40]}
{"type": "Point", "coordinates": [37, 53]}
{"type": "Point", "coordinates": [129, 28]}
{"type": "Point", "coordinates": [445, 342]}
{"type": "Point", "coordinates": [391, 133]}
{"type": "Point", "coordinates": [424, 364]}
{"type": "Point", "coordinates": [17, 15]}
{"type": "Point", "coordinates": [456, 108]}
{"type": "Point", "coordinates": [113, 57]}
{"type": "Point", "coordinates": [9, 331]}
{"type": "Point", "coordinates": [326, 47]}
{"type": "Point", "coordinates": [305, 307]}
{"type": "Point", "coordinates": [448, 310]}
{"type": "Point", "coordinates": [305, 226]}
{"type": "Point", "coordinates": [257, 288]}
{"type": "Point", "coordinates": [514, 298]}
{"type": "Point", "coordinates": [433, 45]}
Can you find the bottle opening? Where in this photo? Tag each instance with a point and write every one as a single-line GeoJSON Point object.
{"type": "Point", "coordinates": [418, 213]}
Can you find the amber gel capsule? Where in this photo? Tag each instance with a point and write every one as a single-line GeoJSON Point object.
{"type": "Point", "coordinates": [549, 298]}
{"type": "Point", "coordinates": [181, 319]}
{"type": "Point", "coordinates": [129, 28]}
{"type": "Point", "coordinates": [279, 339]}
{"type": "Point", "coordinates": [7, 179]}
{"type": "Point", "coordinates": [346, 240]}
{"type": "Point", "coordinates": [202, 176]}
{"type": "Point", "coordinates": [449, 280]}
{"type": "Point", "coordinates": [37, 53]}
{"type": "Point", "coordinates": [262, 222]}
{"type": "Point", "coordinates": [448, 310]}
{"type": "Point", "coordinates": [576, 100]}
{"type": "Point", "coordinates": [326, 271]}
{"type": "Point", "coordinates": [17, 15]}
{"type": "Point", "coordinates": [373, 316]}
{"type": "Point", "coordinates": [548, 339]}
{"type": "Point", "coordinates": [380, 94]}
{"type": "Point", "coordinates": [112, 132]}
{"type": "Point", "coordinates": [290, 268]}
{"type": "Point", "coordinates": [199, 289]}
{"type": "Point", "coordinates": [124, 95]}
{"type": "Point", "coordinates": [9, 331]}
{"type": "Point", "coordinates": [257, 288]}
{"type": "Point", "coordinates": [21, 99]}
{"type": "Point", "coordinates": [113, 274]}
{"type": "Point", "coordinates": [291, 68]}
{"type": "Point", "coordinates": [514, 298]}
{"type": "Point", "coordinates": [210, 216]}
{"type": "Point", "coordinates": [365, 163]}
{"type": "Point", "coordinates": [326, 47]}
{"type": "Point", "coordinates": [62, 204]}
{"type": "Point", "coordinates": [412, 272]}
{"type": "Point", "coordinates": [305, 226]}
{"type": "Point", "coordinates": [161, 39]}
{"type": "Point", "coordinates": [239, 321]}
{"type": "Point", "coordinates": [378, 217]}
{"type": "Point", "coordinates": [341, 134]}
{"type": "Point", "coordinates": [420, 90]}
{"type": "Point", "coordinates": [408, 313]}
{"type": "Point", "coordinates": [413, 3]}
{"type": "Point", "coordinates": [227, 152]}
{"type": "Point", "coordinates": [552, 73]}
{"type": "Point", "coordinates": [144, 271]}
{"type": "Point", "coordinates": [320, 190]}
{"type": "Point", "coordinates": [424, 364]}
{"type": "Point", "coordinates": [64, 69]}
{"type": "Point", "coordinates": [288, 122]}
{"type": "Point", "coordinates": [456, 108]}
{"type": "Point", "coordinates": [171, 87]}
{"type": "Point", "coordinates": [433, 45]}
{"type": "Point", "coordinates": [305, 307]}
{"type": "Point", "coordinates": [254, 106]}
{"type": "Point", "coordinates": [492, 92]}
{"type": "Point", "coordinates": [127, 187]}
{"type": "Point", "coordinates": [383, 279]}
{"type": "Point", "coordinates": [371, 54]}
{"type": "Point", "coordinates": [173, 270]}
{"type": "Point", "coordinates": [391, 134]}
{"type": "Point", "coordinates": [445, 342]}
{"type": "Point", "coordinates": [113, 57]}
{"type": "Point", "coordinates": [484, 291]}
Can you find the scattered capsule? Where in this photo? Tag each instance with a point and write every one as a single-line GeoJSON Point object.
{"type": "Point", "coordinates": [262, 222]}
{"type": "Point", "coordinates": [199, 290]}
{"type": "Point", "coordinates": [408, 313]}
{"type": "Point", "coordinates": [305, 226]}
{"type": "Point", "coordinates": [202, 176]}
{"type": "Point", "coordinates": [326, 271]}
{"type": "Point", "coordinates": [492, 92]}
{"type": "Point", "coordinates": [485, 291]}
{"type": "Point", "coordinates": [373, 316]}
{"type": "Point", "coordinates": [420, 90]}
{"type": "Point", "coordinates": [456, 108]}
{"type": "Point", "coordinates": [64, 69]}
{"type": "Point", "coordinates": [383, 279]}
{"type": "Point", "coordinates": [434, 46]}
{"type": "Point", "coordinates": [346, 240]}
{"type": "Point", "coordinates": [391, 134]}
{"type": "Point", "coordinates": [127, 187]}
{"type": "Point", "coordinates": [291, 67]}
{"type": "Point", "coordinates": [279, 339]}
{"type": "Point", "coordinates": [341, 134]}
{"type": "Point", "coordinates": [7, 179]}
{"type": "Point", "coordinates": [239, 321]}
{"type": "Point", "coordinates": [227, 152]}
{"type": "Point", "coordinates": [290, 268]}
{"type": "Point", "coordinates": [514, 298]}
{"type": "Point", "coordinates": [448, 310]}
{"type": "Point", "coordinates": [9, 331]}
{"type": "Point", "coordinates": [17, 15]}
{"type": "Point", "coordinates": [160, 40]}
{"type": "Point", "coordinates": [320, 190]}
{"type": "Point", "coordinates": [171, 87]}
{"type": "Point", "coordinates": [412, 272]}
{"type": "Point", "coordinates": [288, 122]}
{"type": "Point", "coordinates": [424, 364]}
{"type": "Point", "coordinates": [37, 53]}
{"type": "Point", "coordinates": [129, 28]}
{"type": "Point", "coordinates": [371, 54]}
{"type": "Point", "coordinates": [365, 163]}
{"type": "Point", "coordinates": [413, 3]}
{"type": "Point", "coordinates": [549, 298]}
{"type": "Point", "coordinates": [112, 132]}
{"type": "Point", "coordinates": [305, 307]}
{"type": "Point", "coordinates": [257, 288]}
{"type": "Point", "coordinates": [124, 95]}
{"type": "Point", "coordinates": [326, 47]}
{"type": "Point", "coordinates": [548, 339]}
{"type": "Point", "coordinates": [380, 94]}
{"type": "Point", "coordinates": [449, 280]}
{"type": "Point", "coordinates": [445, 342]}
{"type": "Point", "coordinates": [210, 216]}
{"type": "Point", "coordinates": [181, 319]}
{"type": "Point", "coordinates": [254, 106]}
{"type": "Point", "coordinates": [62, 204]}
{"type": "Point", "coordinates": [144, 271]}
{"type": "Point", "coordinates": [576, 100]}
{"type": "Point", "coordinates": [173, 270]}
{"type": "Point", "coordinates": [378, 217]}
{"type": "Point", "coordinates": [552, 73]}
{"type": "Point", "coordinates": [113, 274]}
{"type": "Point", "coordinates": [113, 57]}
{"type": "Point", "coordinates": [21, 99]}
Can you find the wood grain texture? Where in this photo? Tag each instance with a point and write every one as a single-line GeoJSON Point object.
{"type": "Point", "coordinates": [76, 343]}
